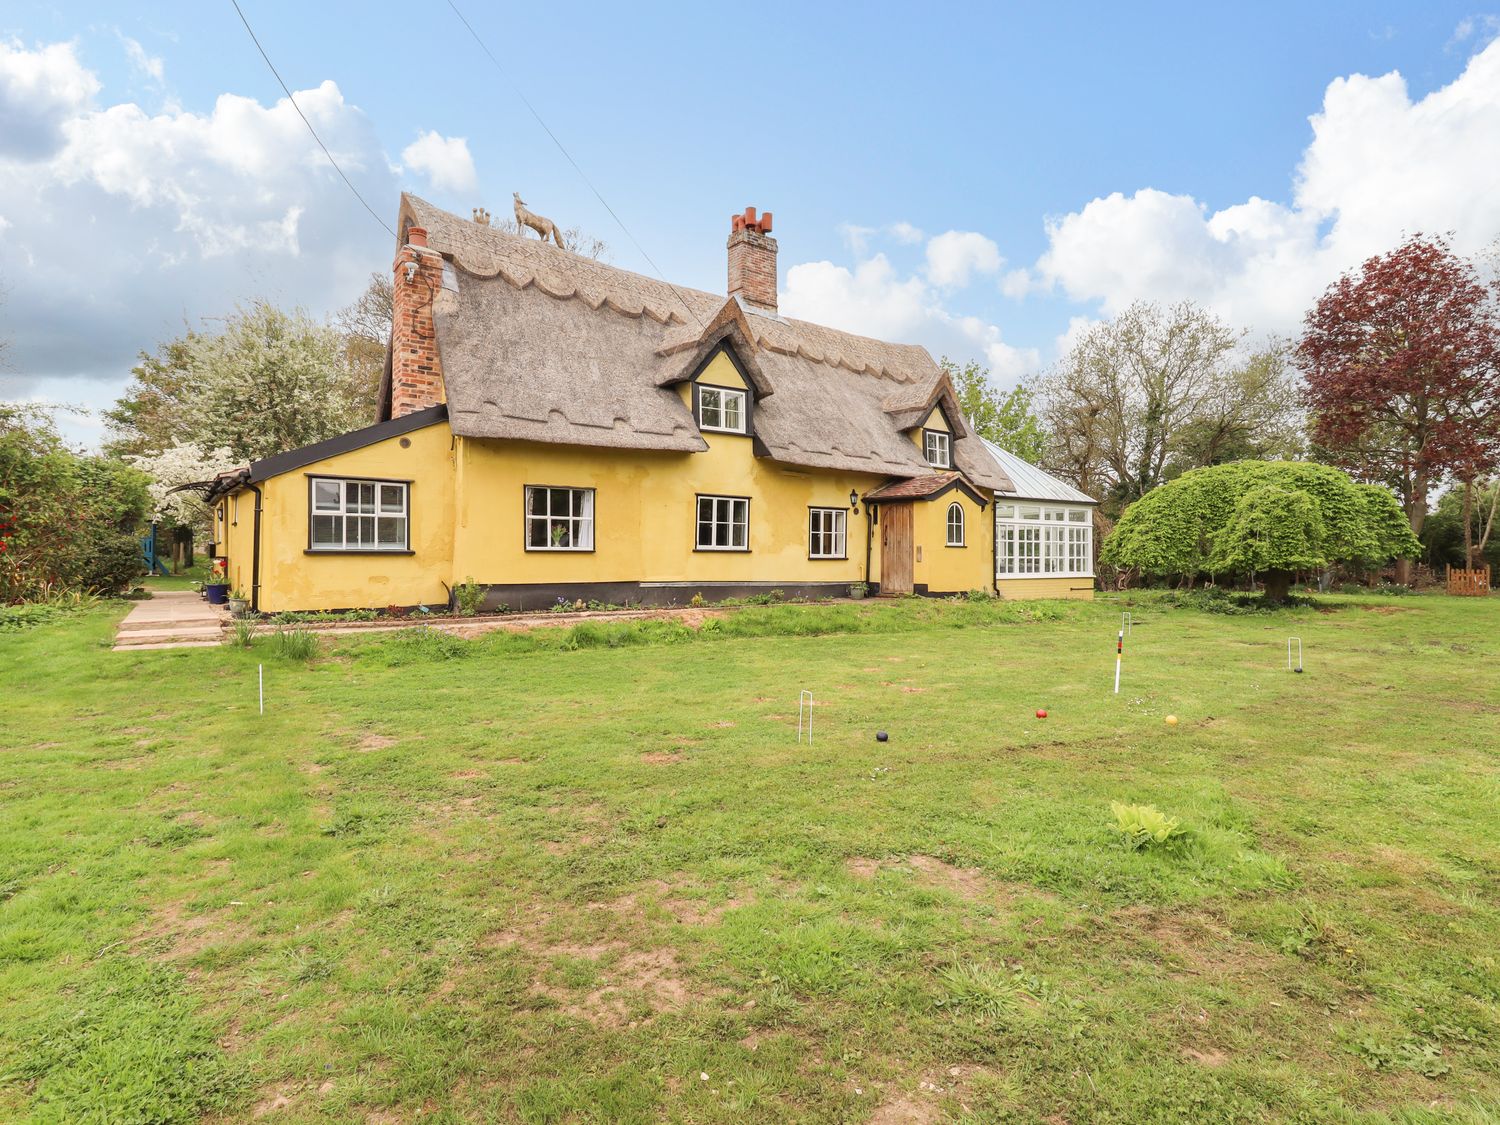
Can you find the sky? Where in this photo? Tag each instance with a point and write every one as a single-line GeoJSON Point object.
{"type": "Point", "coordinates": [982, 180]}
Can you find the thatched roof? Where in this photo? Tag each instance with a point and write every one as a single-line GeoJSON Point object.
{"type": "Point", "coordinates": [543, 345]}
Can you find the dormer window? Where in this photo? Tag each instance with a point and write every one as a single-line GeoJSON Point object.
{"type": "Point", "coordinates": [722, 409]}
{"type": "Point", "coordinates": [938, 448]}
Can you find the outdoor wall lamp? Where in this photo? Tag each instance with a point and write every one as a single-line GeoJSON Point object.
{"type": "Point", "coordinates": [854, 501]}
{"type": "Point", "coordinates": [411, 272]}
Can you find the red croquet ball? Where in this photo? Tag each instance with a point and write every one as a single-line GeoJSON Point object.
{"type": "Point", "coordinates": [1041, 712]}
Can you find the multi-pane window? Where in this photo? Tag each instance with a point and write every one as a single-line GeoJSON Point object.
{"type": "Point", "coordinates": [825, 533]}
{"type": "Point", "coordinates": [1032, 539]}
{"type": "Point", "coordinates": [559, 519]}
{"type": "Point", "coordinates": [723, 523]}
{"type": "Point", "coordinates": [937, 448]}
{"type": "Point", "coordinates": [955, 524]}
{"type": "Point", "coordinates": [358, 515]}
{"type": "Point", "coordinates": [720, 408]}
{"type": "Point", "coordinates": [1078, 550]}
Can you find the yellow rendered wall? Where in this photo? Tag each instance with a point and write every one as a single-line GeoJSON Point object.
{"type": "Point", "coordinates": [467, 521]}
{"type": "Point", "coordinates": [935, 421]}
{"type": "Point", "coordinates": [293, 578]}
{"type": "Point", "coordinates": [645, 511]}
{"type": "Point", "coordinates": [234, 527]}
{"type": "Point", "coordinates": [951, 570]}
{"type": "Point", "coordinates": [1022, 588]}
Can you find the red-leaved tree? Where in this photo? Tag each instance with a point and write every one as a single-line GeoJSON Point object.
{"type": "Point", "coordinates": [1402, 360]}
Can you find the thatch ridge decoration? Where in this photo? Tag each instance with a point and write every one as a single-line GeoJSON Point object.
{"type": "Point", "coordinates": [540, 344]}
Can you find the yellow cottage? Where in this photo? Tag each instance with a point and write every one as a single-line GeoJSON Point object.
{"type": "Point", "coordinates": [552, 427]}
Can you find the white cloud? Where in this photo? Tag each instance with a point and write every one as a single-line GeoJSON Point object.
{"type": "Point", "coordinates": [955, 256]}
{"type": "Point", "coordinates": [858, 238]}
{"type": "Point", "coordinates": [1486, 26]}
{"type": "Point", "coordinates": [126, 225]}
{"type": "Point", "coordinates": [39, 91]}
{"type": "Point", "coordinates": [873, 299]}
{"type": "Point", "coordinates": [445, 161]}
{"type": "Point", "coordinates": [149, 65]}
{"type": "Point", "coordinates": [1380, 165]}
{"type": "Point", "coordinates": [1016, 284]}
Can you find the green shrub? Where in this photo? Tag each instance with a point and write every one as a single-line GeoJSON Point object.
{"type": "Point", "coordinates": [314, 617]}
{"type": "Point", "coordinates": [296, 644]}
{"type": "Point", "coordinates": [242, 634]}
{"type": "Point", "coordinates": [53, 606]}
{"type": "Point", "coordinates": [468, 596]}
{"type": "Point", "coordinates": [1144, 827]}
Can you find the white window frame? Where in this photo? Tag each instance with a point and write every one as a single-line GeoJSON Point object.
{"type": "Point", "coordinates": [578, 525]}
{"type": "Point", "coordinates": [727, 513]}
{"type": "Point", "coordinates": [724, 396]}
{"type": "Point", "coordinates": [824, 541]}
{"type": "Point", "coordinates": [958, 524]}
{"type": "Point", "coordinates": [1034, 540]}
{"type": "Point", "coordinates": [389, 502]}
{"type": "Point", "coordinates": [942, 442]}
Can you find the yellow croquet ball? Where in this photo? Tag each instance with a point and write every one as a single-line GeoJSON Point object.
{"type": "Point", "coordinates": [1171, 720]}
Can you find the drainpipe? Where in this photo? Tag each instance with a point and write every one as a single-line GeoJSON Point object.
{"type": "Point", "coordinates": [994, 548]}
{"type": "Point", "coordinates": [869, 539]}
{"type": "Point", "coordinates": [255, 554]}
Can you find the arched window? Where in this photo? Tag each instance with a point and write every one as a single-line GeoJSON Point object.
{"type": "Point", "coordinates": [955, 524]}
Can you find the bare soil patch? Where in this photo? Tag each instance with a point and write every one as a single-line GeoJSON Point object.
{"type": "Point", "coordinates": [376, 742]}
{"type": "Point", "coordinates": [1197, 941]}
{"type": "Point", "coordinates": [1209, 1058]}
{"type": "Point", "coordinates": [969, 883]}
{"type": "Point", "coordinates": [662, 757]}
{"type": "Point", "coordinates": [630, 985]}
{"type": "Point", "coordinates": [925, 1104]}
{"type": "Point", "coordinates": [185, 935]}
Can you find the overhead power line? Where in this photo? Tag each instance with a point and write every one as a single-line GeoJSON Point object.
{"type": "Point", "coordinates": [569, 157]}
{"type": "Point", "coordinates": [348, 183]}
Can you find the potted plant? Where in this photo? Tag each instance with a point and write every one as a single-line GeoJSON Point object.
{"type": "Point", "coordinates": [239, 605]}
{"type": "Point", "coordinates": [858, 589]}
{"type": "Point", "coordinates": [217, 586]}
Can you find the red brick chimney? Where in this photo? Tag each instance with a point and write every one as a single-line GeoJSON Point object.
{"type": "Point", "coordinates": [416, 370]}
{"type": "Point", "coordinates": [752, 259]}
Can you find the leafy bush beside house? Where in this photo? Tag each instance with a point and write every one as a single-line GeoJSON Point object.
{"type": "Point", "coordinates": [68, 522]}
{"type": "Point", "coordinates": [1270, 518]}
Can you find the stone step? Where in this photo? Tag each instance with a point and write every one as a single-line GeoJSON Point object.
{"type": "Point", "coordinates": [153, 636]}
{"type": "Point", "coordinates": [163, 624]}
{"type": "Point", "coordinates": [154, 645]}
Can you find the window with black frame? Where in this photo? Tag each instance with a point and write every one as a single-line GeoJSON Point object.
{"type": "Point", "coordinates": [559, 519]}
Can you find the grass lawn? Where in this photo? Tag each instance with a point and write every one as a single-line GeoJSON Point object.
{"type": "Point", "coordinates": [591, 875]}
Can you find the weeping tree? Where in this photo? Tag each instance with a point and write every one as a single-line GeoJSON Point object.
{"type": "Point", "coordinates": [1269, 519]}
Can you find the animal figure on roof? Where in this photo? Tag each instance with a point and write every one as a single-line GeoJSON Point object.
{"type": "Point", "coordinates": [539, 223]}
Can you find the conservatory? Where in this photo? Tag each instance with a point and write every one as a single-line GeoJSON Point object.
{"type": "Point", "coordinates": [1044, 534]}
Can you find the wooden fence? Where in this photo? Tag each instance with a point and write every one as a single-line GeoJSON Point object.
{"type": "Point", "coordinates": [1469, 583]}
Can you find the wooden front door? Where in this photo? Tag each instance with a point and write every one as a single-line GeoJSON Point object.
{"type": "Point", "coordinates": [895, 549]}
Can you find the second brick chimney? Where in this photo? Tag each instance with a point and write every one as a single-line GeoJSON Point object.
{"type": "Point", "coordinates": [416, 369]}
{"type": "Point", "coordinates": [752, 259]}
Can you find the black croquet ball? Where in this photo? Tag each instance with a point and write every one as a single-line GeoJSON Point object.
{"type": "Point", "coordinates": [881, 736]}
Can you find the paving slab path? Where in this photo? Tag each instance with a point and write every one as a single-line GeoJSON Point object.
{"type": "Point", "coordinates": [172, 619]}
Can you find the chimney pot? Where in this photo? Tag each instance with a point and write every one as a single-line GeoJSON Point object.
{"type": "Point", "coordinates": [416, 236]}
